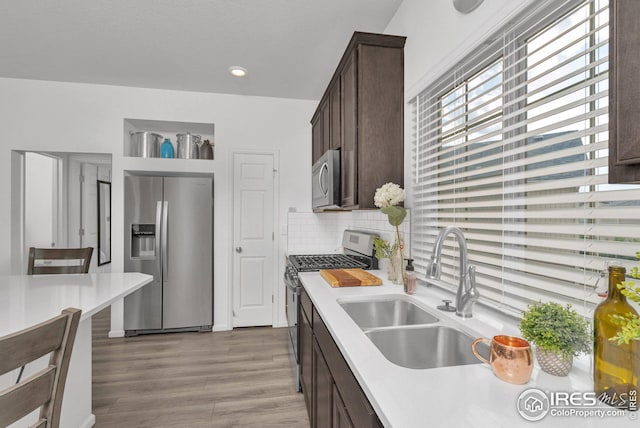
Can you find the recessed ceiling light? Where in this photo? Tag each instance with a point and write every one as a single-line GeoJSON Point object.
{"type": "Point", "coordinates": [238, 71]}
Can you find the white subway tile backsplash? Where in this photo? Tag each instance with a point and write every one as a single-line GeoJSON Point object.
{"type": "Point", "coordinates": [322, 232]}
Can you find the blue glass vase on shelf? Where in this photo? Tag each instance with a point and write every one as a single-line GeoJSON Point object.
{"type": "Point", "coordinates": [166, 149]}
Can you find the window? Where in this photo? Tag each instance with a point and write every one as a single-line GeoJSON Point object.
{"type": "Point", "coordinates": [511, 146]}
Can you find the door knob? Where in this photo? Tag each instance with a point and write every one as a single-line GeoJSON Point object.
{"type": "Point", "coordinates": [238, 249]}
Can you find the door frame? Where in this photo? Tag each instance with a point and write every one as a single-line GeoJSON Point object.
{"type": "Point", "coordinates": [19, 255]}
{"type": "Point", "coordinates": [276, 219]}
{"type": "Point", "coordinates": [76, 160]}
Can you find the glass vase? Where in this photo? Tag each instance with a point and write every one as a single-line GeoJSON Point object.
{"type": "Point", "coordinates": [396, 264]}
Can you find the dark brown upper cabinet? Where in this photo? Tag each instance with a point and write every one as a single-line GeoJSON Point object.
{"type": "Point", "coordinates": [320, 132]}
{"type": "Point", "coordinates": [335, 109]}
{"type": "Point", "coordinates": [624, 91]}
{"type": "Point", "coordinates": [361, 114]}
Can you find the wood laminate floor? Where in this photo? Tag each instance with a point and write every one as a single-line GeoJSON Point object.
{"type": "Point", "coordinates": [239, 378]}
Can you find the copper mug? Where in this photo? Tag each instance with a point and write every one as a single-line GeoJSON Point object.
{"type": "Point", "coordinates": [510, 358]}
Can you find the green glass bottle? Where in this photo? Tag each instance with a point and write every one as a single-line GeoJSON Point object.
{"type": "Point", "coordinates": [616, 366]}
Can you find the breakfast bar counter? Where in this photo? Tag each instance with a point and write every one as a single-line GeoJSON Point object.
{"type": "Point", "coordinates": [26, 300]}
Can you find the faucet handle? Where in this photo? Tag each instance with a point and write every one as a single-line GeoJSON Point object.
{"type": "Point", "coordinates": [472, 276]}
{"type": "Point", "coordinates": [472, 290]}
{"type": "Point", "coordinates": [447, 306]}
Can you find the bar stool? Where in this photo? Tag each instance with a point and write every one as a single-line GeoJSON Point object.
{"type": "Point", "coordinates": [44, 389]}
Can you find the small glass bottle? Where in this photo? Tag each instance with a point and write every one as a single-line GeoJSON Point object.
{"type": "Point", "coordinates": [166, 149]}
{"type": "Point", "coordinates": [410, 278]}
{"type": "Point", "coordinates": [206, 150]}
{"type": "Point", "coordinates": [616, 367]}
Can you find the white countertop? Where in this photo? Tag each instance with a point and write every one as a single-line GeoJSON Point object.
{"type": "Point", "coordinates": [26, 300]}
{"type": "Point", "coordinates": [459, 396]}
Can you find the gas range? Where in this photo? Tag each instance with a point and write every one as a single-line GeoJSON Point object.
{"type": "Point", "coordinates": [358, 253]}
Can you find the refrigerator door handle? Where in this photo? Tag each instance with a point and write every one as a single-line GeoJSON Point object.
{"type": "Point", "coordinates": [165, 239]}
{"type": "Point", "coordinates": [158, 235]}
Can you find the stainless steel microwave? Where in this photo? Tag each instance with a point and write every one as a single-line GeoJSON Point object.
{"type": "Point", "coordinates": [325, 179]}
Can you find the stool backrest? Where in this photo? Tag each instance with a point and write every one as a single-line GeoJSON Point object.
{"type": "Point", "coordinates": [59, 260]}
{"type": "Point", "coordinates": [44, 389]}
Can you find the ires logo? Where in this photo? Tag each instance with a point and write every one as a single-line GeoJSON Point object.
{"type": "Point", "coordinates": [573, 399]}
{"type": "Point", "coordinates": [534, 404]}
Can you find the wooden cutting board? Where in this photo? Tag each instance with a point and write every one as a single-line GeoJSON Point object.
{"type": "Point", "coordinates": [349, 277]}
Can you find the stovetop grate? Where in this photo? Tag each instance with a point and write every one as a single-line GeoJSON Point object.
{"type": "Point", "coordinates": [315, 262]}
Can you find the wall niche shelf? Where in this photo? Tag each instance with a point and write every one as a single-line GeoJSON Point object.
{"type": "Point", "coordinates": [168, 129]}
{"type": "Point", "coordinates": [160, 166]}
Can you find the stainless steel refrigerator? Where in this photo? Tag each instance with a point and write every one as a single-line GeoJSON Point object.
{"type": "Point", "coordinates": [169, 234]}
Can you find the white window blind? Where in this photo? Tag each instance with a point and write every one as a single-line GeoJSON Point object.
{"type": "Point", "coordinates": [511, 146]}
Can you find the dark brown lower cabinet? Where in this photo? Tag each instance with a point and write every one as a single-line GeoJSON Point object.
{"type": "Point", "coordinates": [322, 390]}
{"type": "Point", "coordinates": [306, 351]}
{"type": "Point", "coordinates": [340, 417]}
{"type": "Point", "coordinates": [335, 397]}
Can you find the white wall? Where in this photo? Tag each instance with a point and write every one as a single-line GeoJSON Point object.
{"type": "Point", "coordinates": [67, 117]}
{"type": "Point", "coordinates": [438, 36]}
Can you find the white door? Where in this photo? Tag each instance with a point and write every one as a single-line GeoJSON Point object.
{"type": "Point", "coordinates": [41, 201]}
{"type": "Point", "coordinates": [253, 238]}
{"type": "Point", "coordinates": [89, 211]}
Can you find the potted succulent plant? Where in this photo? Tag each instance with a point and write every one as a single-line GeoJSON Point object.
{"type": "Point", "coordinates": [558, 332]}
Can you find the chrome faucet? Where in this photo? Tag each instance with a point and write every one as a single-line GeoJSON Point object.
{"type": "Point", "coordinates": [467, 293]}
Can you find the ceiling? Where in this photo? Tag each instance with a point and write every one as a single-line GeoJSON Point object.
{"type": "Point", "coordinates": [290, 47]}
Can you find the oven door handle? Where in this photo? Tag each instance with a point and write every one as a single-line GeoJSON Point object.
{"type": "Point", "coordinates": [291, 286]}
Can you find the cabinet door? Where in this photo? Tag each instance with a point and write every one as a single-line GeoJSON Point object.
{"type": "Point", "coordinates": [348, 154]}
{"type": "Point", "coordinates": [306, 358]}
{"type": "Point", "coordinates": [380, 148]}
{"type": "Point", "coordinates": [360, 412]}
{"type": "Point", "coordinates": [322, 390]}
{"type": "Point", "coordinates": [340, 415]}
{"type": "Point", "coordinates": [326, 126]}
{"type": "Point", "coordinates": [335, 115]}
{"type": "Point", "coordinates": [317, 133]}
{"type": "Point", "coordinates": [624, 92]}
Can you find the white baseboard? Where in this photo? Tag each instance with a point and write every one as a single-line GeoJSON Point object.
{"type": "Point", "coordinates": [89, 422]}
{"type": "Point", "coordinates": [227, 328]}
{"type": "Point", "coordinates": [116, 333]}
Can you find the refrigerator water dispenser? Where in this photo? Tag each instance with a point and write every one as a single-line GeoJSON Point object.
{"type": "Point", "coordinates": [143, 241]}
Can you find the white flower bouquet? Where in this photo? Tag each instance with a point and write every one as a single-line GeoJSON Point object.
{"type": "Point", "coordinates": [387, 198]}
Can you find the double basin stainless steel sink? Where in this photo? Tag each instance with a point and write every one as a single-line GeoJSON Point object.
{"type": "Point", "coordinates": [411, 336]}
